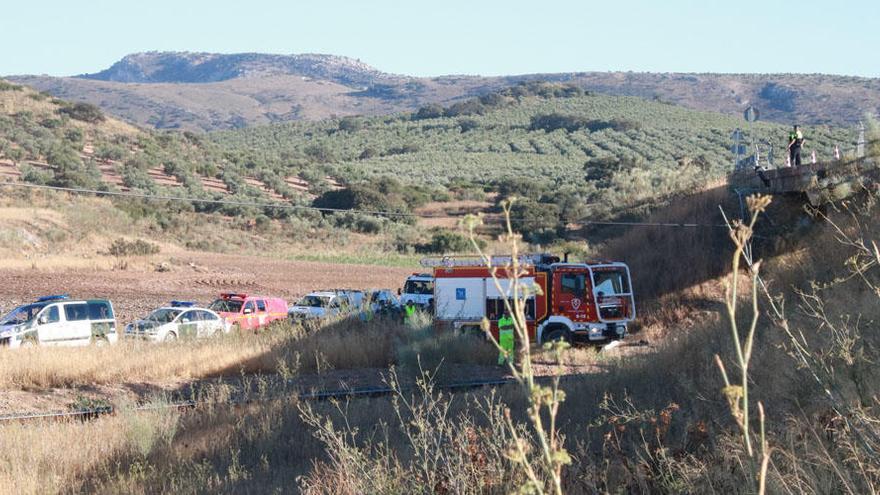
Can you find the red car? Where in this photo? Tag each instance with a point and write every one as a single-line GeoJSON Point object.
{"type": "Point", "coordinates": [246, 312]}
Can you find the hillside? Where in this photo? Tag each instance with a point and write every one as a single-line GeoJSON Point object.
{"type": "Point", "coordinates": [567, 153]}
{"type": "Point", "coordinates": [203, 91]}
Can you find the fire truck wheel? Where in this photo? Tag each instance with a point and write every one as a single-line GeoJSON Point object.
{"type": "Point", "coordinates": [555, 334]}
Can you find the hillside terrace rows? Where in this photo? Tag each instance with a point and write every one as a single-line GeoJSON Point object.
{"type": "Point", "coordinates": [110, 175]}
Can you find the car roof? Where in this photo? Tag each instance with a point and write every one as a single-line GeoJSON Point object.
{"type": "Point", "coordinates": [69, 301]}
{"type": "Point", "coordinates": [323, 293]}
{"type": "Point", "coordinates": [184, 308]}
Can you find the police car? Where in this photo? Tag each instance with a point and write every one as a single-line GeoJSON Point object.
{"type": "Point", "coordinates": [181, 319]}
{"type": "Point", "coordinates": [59, 320]}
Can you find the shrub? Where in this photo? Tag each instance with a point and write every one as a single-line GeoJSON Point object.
{"type": "Point", "coordinates": [432, 111]}
{"type": "Point", "coordinates": [70, 171]}
{"type": "Point", "coordinates": [571, 123]}
{"type": "Point", "coordinates": [538, 223]}
{"type": "Point", "coordinates": [110, 152]}
{"type": "Point", "coordinates": [8, 86]}
{"type": "Point", "coordinates": [350, 124]}
{"type": "Point", "coordinates": [445, 241]}
{"type": "Point", "coordinates": [85, 112]}
{"type": "Point", "coordinates": [382, 194]}
{"type": "Point", "coordinates": [467, 107]}
{"type": "Point", "coordinates": [121, 247]}
{"type": "Point", "coordinates": [468, 124]}
{"type": "Point", "coordinates": [369, 152]}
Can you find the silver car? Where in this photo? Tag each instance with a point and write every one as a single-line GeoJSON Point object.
{"type": "Point", "coordinates": [179, 320]}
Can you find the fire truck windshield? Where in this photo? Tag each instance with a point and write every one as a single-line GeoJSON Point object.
{"type": "Point", "coordinates": [611, 281]}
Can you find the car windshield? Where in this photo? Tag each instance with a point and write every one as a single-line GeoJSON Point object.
{"type": "Point", "coordinates": [164, 315]}
{"type": "Point", "coordinates": [314, 301]}
{"type": "Point", "coordinates": [21, 314]}
{"type": "Point", "coordinates": [419, 287]}
{"type": "Point", "coordinates": [611, 281]}
{"type": "Point", "coordinates": [226, 305]}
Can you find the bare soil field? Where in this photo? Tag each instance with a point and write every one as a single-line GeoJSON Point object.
{"type": "Point", "coordinates": [192, 276]}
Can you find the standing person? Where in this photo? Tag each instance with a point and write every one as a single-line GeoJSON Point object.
{"type": "Point", "coordinates": [795, 143]}
{"type": "Point", "coordinates": [505, 338]}
{"type": "Point", "coordinates": [409, 311]}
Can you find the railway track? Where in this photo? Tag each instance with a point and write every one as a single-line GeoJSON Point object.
{"type": "Point", "coordinates": [319, 395]}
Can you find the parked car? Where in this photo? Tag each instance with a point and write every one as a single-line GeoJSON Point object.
{"type": "Point", "coordinates": [247, 312]}
{"type": "Point", "coordinates": [180, 319]}
{"type": "Point", "coordinates": [61, 321]}
{"type": "Point", "coordinates": [324, 304]}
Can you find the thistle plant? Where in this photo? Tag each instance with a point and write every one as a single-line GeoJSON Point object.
{"type": "Point", "coordinates": [737, 393]}
{"type": "Point", "coordinates": [544, 473]}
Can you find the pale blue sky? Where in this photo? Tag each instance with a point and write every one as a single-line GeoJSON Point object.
{"type": "Point", "coordinates": [456, 37]}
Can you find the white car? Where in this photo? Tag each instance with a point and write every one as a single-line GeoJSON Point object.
{"type": "Point", "coordinates": [325, 304]}
{"type": "Point", "coordinates": [58, 320]}
{"type": "Point", "coordinates": [179, 320]}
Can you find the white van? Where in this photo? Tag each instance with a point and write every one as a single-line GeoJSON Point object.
{"type": "Point", "coordinates": [58, 320]}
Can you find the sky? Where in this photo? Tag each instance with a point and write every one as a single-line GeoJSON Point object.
{"type": "Point", "coordinates": [429, 38]}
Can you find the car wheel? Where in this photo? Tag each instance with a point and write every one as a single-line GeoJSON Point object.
{"type": "Point", "coordinates": [99, 341]}
{"type": "Point", "coordinates": [28, 343]}
{"type": "Point", "coordinates": [171, 337]}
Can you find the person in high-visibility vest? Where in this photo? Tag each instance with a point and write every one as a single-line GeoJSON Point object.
{"type": "Point", "coordinates": [505, 338]}
{"type": "Point", "coordinates": [409, 311]}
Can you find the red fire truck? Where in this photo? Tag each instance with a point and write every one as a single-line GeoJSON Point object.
{"type": "Point", "coordinates": [585, 302]}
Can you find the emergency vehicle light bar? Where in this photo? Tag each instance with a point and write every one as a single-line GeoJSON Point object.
{"type": "Point", "coordinates": [53, 298]}
{"type": "Point", "coordinates": [496, 260]}
{"type": "Point", "coordinates": [230, 295]}
{"type": "Point", "coordinates": [182, 304]}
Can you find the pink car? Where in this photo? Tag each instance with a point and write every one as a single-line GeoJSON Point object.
{"type": "Point", "coordinates": [247, 312]}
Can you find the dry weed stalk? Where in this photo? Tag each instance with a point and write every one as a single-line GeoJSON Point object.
{"type": "Point", "coordinates": [553, 456]}
{"type": "Point", "coordinates": [738, 395]}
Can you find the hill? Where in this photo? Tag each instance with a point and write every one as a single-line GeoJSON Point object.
{"type": "Point", "coordinates": [203, 91]}
{"type": "Point", "coordinates": [567, 153]}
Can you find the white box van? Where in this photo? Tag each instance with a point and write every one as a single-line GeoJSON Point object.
{"type": "Point", "coordinates": [58, 320]}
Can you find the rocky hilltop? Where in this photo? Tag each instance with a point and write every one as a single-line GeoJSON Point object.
{"type": "Point", "coordinates": [192, 67]}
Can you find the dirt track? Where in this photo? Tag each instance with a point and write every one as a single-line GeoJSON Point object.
{"type": "Point", "coordinates": [198, 276]}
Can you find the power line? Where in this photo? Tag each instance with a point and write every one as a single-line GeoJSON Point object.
{"type": "Point", "coordinates": [282, 206]}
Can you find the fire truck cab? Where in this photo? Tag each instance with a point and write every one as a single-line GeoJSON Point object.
{"type": "Point", "coordinates": [576, 302]}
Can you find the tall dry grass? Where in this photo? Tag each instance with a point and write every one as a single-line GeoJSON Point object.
{"type": "Point", "coordinates": [130, 362]}
{"type": "Point", "coordinates": [60, 457]}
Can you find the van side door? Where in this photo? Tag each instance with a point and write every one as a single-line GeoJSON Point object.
{"type": "Point", "coordinates": [262, 313]}
{"type": "Point", "coordinates": [50, 325]}
{"type": "Point", "coordinates": [248, 315]}
{"type": "Point", "coordinates": [77, 328]}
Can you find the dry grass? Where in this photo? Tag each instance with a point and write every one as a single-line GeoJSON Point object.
{"type": "Point", "coordinates": [132, 362]}
{"type": "Point", "coordinates": [53, 457]}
